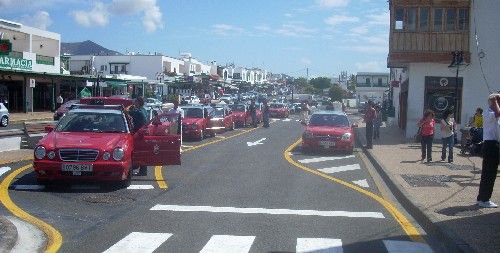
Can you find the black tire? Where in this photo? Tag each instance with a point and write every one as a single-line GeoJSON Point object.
{"type": "Point", "coordinates": [4, 121]}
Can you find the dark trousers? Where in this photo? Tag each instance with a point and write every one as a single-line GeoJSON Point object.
{"type": "Point", "coordinates": [254, 119]}
{"type": "Point", "coordinates": [369, 134]}
{"type": "Point", "coordinates": [490, 170]}
{"type": "Point", "coordinates": [426, 145]}
{"type": "Point", "coordinates": [448, 142]}
{"type": "Point", "coordinates": [376, 131]}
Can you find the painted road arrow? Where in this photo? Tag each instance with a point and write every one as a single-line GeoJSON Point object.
{"type": "Point", "coordinates": [255, 143]}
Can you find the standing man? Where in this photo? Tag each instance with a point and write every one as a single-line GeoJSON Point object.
{"type": "Point", "coordinates": [369, 117]}
{"type": "Point", "coordinates": [490, 152]}
{"type": "Point", "coordinates": [139, 119]}
{"type": "Point", "coordinates": [253, 113]}
{"type": "Point", "coordinates": [59, 101]}
{"type": "Point", "coordinates": [265, 113]}
{"type": "Point", "coordinates": [177, 110]}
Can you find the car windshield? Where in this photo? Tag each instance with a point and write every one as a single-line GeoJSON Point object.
{"type": "Point", "coordinates": [329, 120]}
{"type": "Point", "coordinates": [92, 122]}
{"type": "Point", "coordinates": [239, 108]}
{"type": "Point", "coordinates": [193, 112]}
{"type": "Point", "coordinates": [218, 112]}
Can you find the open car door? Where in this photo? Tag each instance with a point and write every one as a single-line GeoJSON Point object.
{"type": "Point", "coordinates": [158, 143]}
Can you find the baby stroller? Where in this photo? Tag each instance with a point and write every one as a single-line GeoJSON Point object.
{"type": "Point", "coordinates": [472, 141]}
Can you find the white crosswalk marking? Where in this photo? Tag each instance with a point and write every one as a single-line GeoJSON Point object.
{"type": "Point", "coordinates": [139, 242]}
{"type": "Point", "coordinates": [340, 168]}
{"type": "Point", "coordinates": [319, 245]}
{"type": "Point", "coordinates": [362, 183]}
{"type": "Point", "coordinates": [286, 120]}
{"type": "Point", "coordinates": [3, 170]}
{"type": "Point", "coordinates": [140, 187]}
{"type": "Point", "coordinates": [406, 247]}
{"type": "Point", "coordinates": [29, 187]}
{"type": "Point", "coordinates": [228, 244]}
{"type": "Point", "coordinates": [213, 209]}
{"type": "Point", "coordinates": [324, 159]}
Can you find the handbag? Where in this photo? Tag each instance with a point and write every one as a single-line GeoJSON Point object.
{"type": "Point", "coordinates": [418, 135]}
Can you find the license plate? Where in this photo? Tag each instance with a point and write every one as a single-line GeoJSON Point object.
{"type": "Point", "coordinates": [77, 169]}
{"type": "Point", "coordinates": [327, 144]}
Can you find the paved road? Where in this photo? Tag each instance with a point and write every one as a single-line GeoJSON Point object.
{"type": "Point", "coordinates": [226, 197]}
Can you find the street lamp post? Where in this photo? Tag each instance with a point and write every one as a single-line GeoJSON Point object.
{"type": "Point", "coordinates": [458, 58]}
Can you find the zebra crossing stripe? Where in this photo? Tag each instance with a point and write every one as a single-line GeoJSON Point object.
{"type": "Point", "coordinates": [363, 183]}
{"type": "Point", "coordinates": [406, 247]}
{"type": "Point", "coordinates": [340, 168]}
{"type": "Point", "coordinates": [140, 187]}
{"type": "Point", "coordinates": [324, 159]}
{"type": "Point", "coordinates": [139, 242]}
{"type": "Point", "coordinates": [213, 209]}
{"type": "Point", "coordinates": [228, 244]}
{"type": "Point", "coordinates": [323, 245]}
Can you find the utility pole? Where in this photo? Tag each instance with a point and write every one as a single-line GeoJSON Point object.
{"type": "Point", "coordinates": [307, 73]}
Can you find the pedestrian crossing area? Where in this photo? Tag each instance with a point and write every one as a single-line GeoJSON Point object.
{"type": "Point", "coordinates": [150, 242]}
{"type": "Point", "coordinates": [341, 166]}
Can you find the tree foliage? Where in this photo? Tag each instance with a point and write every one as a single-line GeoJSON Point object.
{"type": "Point", "coordinates": [321, 83]}
{"type": "Point", "coordinates": [336, 93]}
{"type": "Point", "coordinates": [351, 83]}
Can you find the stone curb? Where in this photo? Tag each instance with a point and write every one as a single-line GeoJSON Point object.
{"type": "Point", "coordinates": [448, 239]}
{"type": "Point", "coordinates": [8, 236]}
{"type": "Point", "coordinates": [12, 132]}
{"type": "Point", "coordinates": [25, 120]}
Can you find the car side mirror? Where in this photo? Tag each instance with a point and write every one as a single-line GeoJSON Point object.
{"type": "Point", "coordinates": [49, 129]}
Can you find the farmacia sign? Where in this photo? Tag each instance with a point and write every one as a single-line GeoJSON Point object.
{"type": "Point", "coordinates": [7, 62]}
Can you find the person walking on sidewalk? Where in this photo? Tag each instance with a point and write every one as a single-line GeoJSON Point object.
{"type": "Point", "coordinates": [490, 152]}
{"type": "Point", "coordinates": [253, 113]}
{"type": "Point", "coordinates": [448, 127]}
{"type": "Point", "coordinates": [59, 101]}
{"type": "Point", "coordinates": [369, 117]}
{"type": "Point", "coordinates": [377, 123]}
{"type": "Point", "coordinates": [426, 125]}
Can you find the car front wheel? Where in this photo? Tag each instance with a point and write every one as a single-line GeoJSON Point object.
{"type": "Point", "coordinates": [5, 121]}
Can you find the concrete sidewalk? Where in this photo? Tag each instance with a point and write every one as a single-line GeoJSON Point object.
{"type": "Point", "coordinates": [440, 195]}
{"type": "Point", "coordinates": [35, 116]}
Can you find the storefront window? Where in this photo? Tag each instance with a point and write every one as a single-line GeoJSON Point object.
{"type": "Point", "coordinates": [424, 20]}
{"type": "Point", "coordinates": [440, 95]}
{"type": "Point", "coordinates": [438, 20]}
{"type": "Point", "coordinates": [412, 19]}
{"type": "Point", "coordinates": [463, 20]}
{"type": "Point", "coordinates": [399, 19]}
{"type": "Point", "coordinates": [451, 16]}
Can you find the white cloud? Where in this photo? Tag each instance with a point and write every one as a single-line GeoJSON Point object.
{"type": "Point", "coordinates": [225, 29]}
{"type": "Point", "coordinates": [371, 49]}
{"type": "Point", "coordinates": [379, 19]}
{"type": "Point", "coordinates": [371, 66]}
{"type": "Point", "coordinates": [152, 19]}
{"type": "Point", "coordinates": [263, 28]}
{"type": "Point", "coordinates": [295, 29]}
{"type": "Point", "coordinates": [332, 3]}
{"type": "Point", "coordinates": [306, 61]}
{"type": "Point", "coordinates": [288, 15]}
{"type": "Point", "coordinates": [338, 19]}
{"type": "Point", "coordinates": [359, 30]}
{"type": "Point", "coordinates": [98, 16]}
{"type": "Point", "coordinates": [41, 20]}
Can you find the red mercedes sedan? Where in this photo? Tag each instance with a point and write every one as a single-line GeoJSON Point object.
{"type": "Point", "coordinates": [329, 131]}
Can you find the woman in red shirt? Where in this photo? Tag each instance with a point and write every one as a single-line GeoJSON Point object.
{"type": "Point", "coordinates": [426, 125]}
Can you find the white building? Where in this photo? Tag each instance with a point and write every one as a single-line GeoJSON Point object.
{"type": "Point", "coordinates": [420, 55]}
{"type": "Point", "coordinates": [371, 86]}
{"type": "Point", "coordinates": [253, 76]}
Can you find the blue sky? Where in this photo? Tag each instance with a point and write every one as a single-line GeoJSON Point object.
{"type": "Point", "coordinates": [283, 36]}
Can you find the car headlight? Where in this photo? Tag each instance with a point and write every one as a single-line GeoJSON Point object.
{"type": "Point", "coordinates": [118, 154]}
{"type": "Point", "coordinates": [106, 156]}
{"type": "Point", "coordinates": [308, 135]}
{"type": "Point", "coordinates": [51, 155]}
{"type": "Point", "coordinates": [40, 152]}
{"type": "Point", "coordinates": [346, 136]}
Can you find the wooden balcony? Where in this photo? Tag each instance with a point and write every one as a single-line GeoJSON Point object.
{"type": "Point", "coordinates": [406, 47]}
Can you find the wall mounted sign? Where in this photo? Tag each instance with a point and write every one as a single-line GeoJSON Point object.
{"type": "Point", "coordinates": [7, 62]}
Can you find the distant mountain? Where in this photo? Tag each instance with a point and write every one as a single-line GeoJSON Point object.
{"type": "Point", "coordinates": [85, 48]}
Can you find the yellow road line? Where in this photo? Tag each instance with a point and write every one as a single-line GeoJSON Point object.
{"type": "Point", "coordinates": [53, 236]}
{"type": "Point", "coordinates": [162, 183]}
{"type": "Point", "coordinates": [407, 226]}
{"type": "Point", "coordinates": [219, 140]}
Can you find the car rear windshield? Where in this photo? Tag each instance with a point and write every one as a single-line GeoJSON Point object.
{"type": "Point", "coordinates": [329, 120]}
{"type": "Point", "coordinates": [92, 122]}
{"type": "Point", "coordinates": [193, 112]}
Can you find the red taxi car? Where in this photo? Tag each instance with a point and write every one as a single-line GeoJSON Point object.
{"type": "Point", "coordinates": [221, 119]}
{"type": "Point", "coordinates": [329, 130]}
{"type": "Point", "coordinates": [196, 122]}
{"type": "Point", "coordinates": [97, 143]}
{"type": "Point", "coordinates": [278, 110]}
{"type": "Point", "coordinates": [242, 116]}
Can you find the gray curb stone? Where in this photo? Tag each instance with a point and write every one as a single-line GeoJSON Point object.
{"type": "Point", "coordinates": [8, 235]}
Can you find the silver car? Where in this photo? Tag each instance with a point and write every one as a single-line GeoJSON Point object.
{"type": "Point", "coordinates": [4, 115]}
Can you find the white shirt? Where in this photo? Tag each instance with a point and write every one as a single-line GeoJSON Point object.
{"type": "Point", "coordinates": [60, 100]}
{"type": "Point", "coordinates": [490, 126]}
{"type": "Point", "coordinates": [447, 127]}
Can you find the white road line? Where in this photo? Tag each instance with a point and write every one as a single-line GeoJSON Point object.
{"type": "Point", "coordinates": [340, 168]}
{"type": "Point", "coordinates": [139, 242]}
{"type": "Point", "coordinates": [187, 146]}
{"type": "Point", "coordinates": [29, 187]}
{"type": "Point", "coordinates": [221, 137]}
{"type": "Point", "coordinates": [406, 247]}
{"type": "Point", "coordinates": [286, 120]}
{"type": "Point", "coordinates": [10, 143]}
{"type": "Point", "coordinates": [324, 159]}
{"type": "Point", "coordinates": [140, 187]}
{"type": "Point", "coordinates": [323, 245]}
{"type": "Point", "coordinates": [362, 183]}
{"type": "Point", "coordinates": [3, 170]}
{"type": "Point", "coordinates": [228, 244]}
{"type": "Point", "coordinates": [213, 209]}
